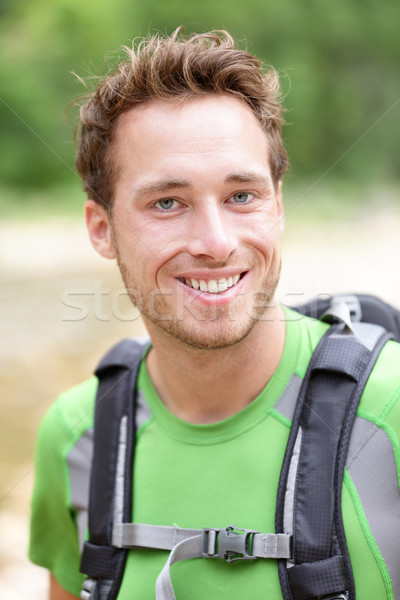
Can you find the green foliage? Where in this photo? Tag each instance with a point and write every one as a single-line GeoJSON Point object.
{"type": "Point", "coordinates": [339, 63]}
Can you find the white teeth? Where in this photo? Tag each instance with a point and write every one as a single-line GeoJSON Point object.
{"type": "Point", "coordinates": [212, 286]}
{"type": "Point", "coordinates": [222, 285]}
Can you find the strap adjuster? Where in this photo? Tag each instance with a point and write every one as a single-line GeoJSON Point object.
{"type": "Point", "coordinates": [88, 589]}
{"type": "Point", "coordinates": [231, 543]}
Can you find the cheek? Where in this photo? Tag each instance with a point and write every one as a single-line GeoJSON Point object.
{"type": "Point", "coordinates": [156, 235]}
{"type": "Point", "coordinates": [268, 244]}
{"type": "Point", "coordinates": [263, 232]}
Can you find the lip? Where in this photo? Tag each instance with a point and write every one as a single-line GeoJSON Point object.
{"type": "Point", "coordinates": [207, 298]}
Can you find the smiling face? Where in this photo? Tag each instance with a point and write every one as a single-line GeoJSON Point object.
{"type": "Point", "coordinates": [196, 219]}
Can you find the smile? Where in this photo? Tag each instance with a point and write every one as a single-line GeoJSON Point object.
{"type": "Point", "coordinates": [212, 286]}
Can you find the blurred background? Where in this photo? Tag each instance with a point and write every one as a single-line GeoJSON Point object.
{"type": "Point", "coordinates": [60, 305]}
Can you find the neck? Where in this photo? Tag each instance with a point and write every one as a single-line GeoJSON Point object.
{"type": "Point", "coordinates": [206, 386]}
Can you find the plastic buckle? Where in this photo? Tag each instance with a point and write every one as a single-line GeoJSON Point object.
{"type": "Point", "coordinates": [233, 543]}
{"type": "Point", "coordinates": [210, 536]}
{"type": "Point", "coordinates": [88, 589]}
{"type": "Point", "coordinates": [355, 309]}
{"type": "Point", "coordinates": [340, 596]}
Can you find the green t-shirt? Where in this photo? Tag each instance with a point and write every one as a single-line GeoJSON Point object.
{"type": "Point", "coordinates": [220, 474]}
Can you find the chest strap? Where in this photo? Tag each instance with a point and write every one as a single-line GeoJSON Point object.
{"type": "Point", "coordinates": [229, 543]}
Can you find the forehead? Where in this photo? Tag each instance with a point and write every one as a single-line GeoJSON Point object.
{"type": "Point", "coordinates": [224, 113]}
{"type": "Point", "coordinates": [202, 132]}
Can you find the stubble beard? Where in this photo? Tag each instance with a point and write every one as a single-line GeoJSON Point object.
{"type": "Point", "coordinates": [214, 327]}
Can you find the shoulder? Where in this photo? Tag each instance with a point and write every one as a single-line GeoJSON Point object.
{"type": "Point", "coordinates": [381, 398]}
{"type": "Point", "coordinates": [380, 401]}
{"type": "Point", "coordinates": [76, 406]}
{"type": "Point", "coordinates": [69, 416]}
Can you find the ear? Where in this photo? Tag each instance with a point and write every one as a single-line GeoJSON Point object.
{"type": "Point", "coordinates": [281, 214]}
{"type": "Point", "coordinates": [99, 228]}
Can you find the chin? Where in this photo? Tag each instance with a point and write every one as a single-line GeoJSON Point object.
{"type": "Point", "coordinates": [209, 336]}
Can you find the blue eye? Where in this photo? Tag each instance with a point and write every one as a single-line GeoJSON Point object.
{"type": "Point", "coordinates": [241, 197]}
{"type": "Point", "coordinates": [166, 203]}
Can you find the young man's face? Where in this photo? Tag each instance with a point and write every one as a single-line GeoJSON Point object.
{"type": "Point", "coordinates": [196, 219]}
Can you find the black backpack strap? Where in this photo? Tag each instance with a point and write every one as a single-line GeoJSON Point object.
{"type": "Point", "coordinates": [110, 489]}
{"type": "Point", "coordinates": [318, 443]}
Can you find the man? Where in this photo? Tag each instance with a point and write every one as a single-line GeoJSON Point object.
{"type": "Point", "coordinates": [182, 159]}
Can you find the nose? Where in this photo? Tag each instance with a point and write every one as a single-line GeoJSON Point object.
{"type": "Point", "coordinates": [212, 233]}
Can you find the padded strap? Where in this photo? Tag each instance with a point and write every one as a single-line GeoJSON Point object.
{"type": "Point", "coordinates": [111, 479]}
{"type": "Point", "coordinates": [99, 561]}
{"type": "Point", "coordinates": [312, 580]}
{"type": "Point", "coordinates": [324, 417]}
{"type": "Point", "coordinates": [335, 371]}
{"type": "Point", "coordinates": [115, 399]}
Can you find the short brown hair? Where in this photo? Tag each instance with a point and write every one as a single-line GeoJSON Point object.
{"type": "Point", "coordinates": [174, 67]}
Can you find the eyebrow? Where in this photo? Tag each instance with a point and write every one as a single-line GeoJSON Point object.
{"type": "Point", "coordinates": [161, 186]}
{"type": "Point", "coordinates": [249, 177]}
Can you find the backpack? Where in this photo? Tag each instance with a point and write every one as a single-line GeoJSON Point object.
{"type": "Point", "coordinates": [312, 554]}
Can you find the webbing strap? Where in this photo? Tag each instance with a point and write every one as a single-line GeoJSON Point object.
{"type": "Point", "coordinates": [229, 543]}
{"type": "Point", "coordinates": [189, 548]}
{"type": "Point", "coordinates": [160, 537]}
{"type": "Point", "coordinates": [272, 545]}
{"type": "Point", "coordinates": [225, 543]}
